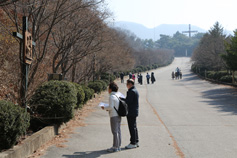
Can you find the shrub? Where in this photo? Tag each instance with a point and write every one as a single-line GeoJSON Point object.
{"type": "Point", "coordinates": [106, 81]}
{"type": "Point", "coordinates": [107, 76]}
{"type": "Point", "coordinates": [96, 86]}
{"type": "Point", "coordinates": [226, 79]}
{"type": "Point", "coordinates": [148, 67]}
{"type": "Point", "coordinates": [216, 75]}
{"type": "Point", "coordinates": [104, 84]}
{"type": "Point", "coordinates": [80, 95]}
{"type": "Point", "coordinates": [88, 93]}
{"type": "Point", "coordinates": [14, 122]}
{"type": "Point", "coordinates": [54, 100]}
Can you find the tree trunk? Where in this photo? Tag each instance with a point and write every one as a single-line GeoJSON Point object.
{"type": "Point", "coordinates": [233, 77]}
{"type": "Point", "coordinates": [73, 72]}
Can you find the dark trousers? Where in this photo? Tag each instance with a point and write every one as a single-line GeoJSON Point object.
{"type": "Point", "coordinates": [122, 81]}
{"type": "Point", "coordinates": [148, 81]}
{"type": "Point", "coordinates": [132, 125]}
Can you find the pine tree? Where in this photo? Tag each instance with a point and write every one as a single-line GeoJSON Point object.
{"type": "Point", "coordinates": [231, 57]}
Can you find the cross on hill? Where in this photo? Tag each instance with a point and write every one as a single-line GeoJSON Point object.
{"type": "Point", "coordinates": [189, 31]}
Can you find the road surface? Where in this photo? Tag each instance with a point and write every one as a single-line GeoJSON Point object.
{"type": "Point", "coordinates": [189, 118]}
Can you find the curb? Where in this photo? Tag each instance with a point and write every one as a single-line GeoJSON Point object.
{"type": "Point", "coordinates": [32, 143]}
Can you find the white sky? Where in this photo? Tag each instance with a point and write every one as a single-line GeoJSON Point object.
{"type": "Point", "coordinates": [151, 13]}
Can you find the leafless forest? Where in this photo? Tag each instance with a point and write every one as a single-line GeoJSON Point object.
{"type": "Point", "coordinates": [75, 38]}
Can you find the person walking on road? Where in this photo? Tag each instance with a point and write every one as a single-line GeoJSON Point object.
{"type": "Point", "coordinates": [115, 119]}
{"type": "Point", "coordinates": [132, 101]}
{"type": "Point", "coordinates": [122, 77]}
{"type": "Point", "coordinates": [140, 78]}
{"type": "Point", "coordinates": [172, 75]}
{"type": "Point", "coordinates": [153, 79]}
{"type": "Point", "coordinates": [130, 75]}
{"type": "Point", "coordinates": [148, 78]}
{"type": "Point", "coordinates": [133, 77]}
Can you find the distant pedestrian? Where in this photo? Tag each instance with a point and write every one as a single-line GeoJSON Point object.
{"type": "Point", "coordinates": [153, 79]}
{"type": "Point", "coordinates": [130, 75]}
{"type": "Point", "coordinates": [177, 69]}
{"type": "Point", "coordinates": [138, 78]}
{"type": "Point", "coordinates": [172, 75]}
{"type": "Point", "coordinates": [122, 77]}
{"type": "Point", "coordinates": [180, 74]}
{"type": "Point", "coordinates": [148, 78]}
{"type": "Point", "coordinates": [115, 119]}
{"type": "Point", "coordinates": [141, 78]}
{"type": "Point", "coordinates": [133, 77]}
{"type": "Point", "coordinates": [132, 101]}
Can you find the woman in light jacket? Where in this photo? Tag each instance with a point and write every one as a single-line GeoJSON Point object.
{"type": "Point", "coordinates": [115, 119]}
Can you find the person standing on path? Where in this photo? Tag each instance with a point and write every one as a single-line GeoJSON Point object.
{"type": "Point", "coordinates": [152, 78]}
{"type": "Point", "coordinates": [122, 77]}
{"type": "Point", "coordinates": [115, 119]}
{"type": "Point", "coordinates": [148, 78]}
{"type": "Point", "coordinates": [133, 108]}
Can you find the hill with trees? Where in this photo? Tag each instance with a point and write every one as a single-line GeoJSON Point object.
{"type": "Point", "coordinates": [143, 32]}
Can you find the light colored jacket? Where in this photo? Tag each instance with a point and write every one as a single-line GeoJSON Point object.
{"type": "Point", "coordinates": [113, 102]}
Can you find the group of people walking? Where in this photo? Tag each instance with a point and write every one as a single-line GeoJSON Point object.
{"type": "Point", "coordinates": [139, 77]}
{"type": "Point", "coordinates": [177, 74]}
{"type": "Point", "coordinates": [132, 101]}
{"type": "Point", "coordinates": [152, 77]}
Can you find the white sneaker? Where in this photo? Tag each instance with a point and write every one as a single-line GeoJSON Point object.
{"type": "Point", "coordinates": [137, 145]}
{"type": "Point", "coordinates": [130, 146]}
{"type": "Point", "coordinates": [111, 150]}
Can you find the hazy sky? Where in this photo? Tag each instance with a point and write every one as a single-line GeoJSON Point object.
{"type": "Point", "coordinates": [202, 13]}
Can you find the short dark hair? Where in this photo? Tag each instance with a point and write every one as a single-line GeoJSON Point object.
{"type": "Point", "coordinates": [130, 81]}
{"type": "Point", "coordinates": [113, 86]}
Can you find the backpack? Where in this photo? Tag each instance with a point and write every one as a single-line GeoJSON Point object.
{"type": "Point", "coordinates": [123, 108]}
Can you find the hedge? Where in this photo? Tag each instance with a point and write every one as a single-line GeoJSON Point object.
{"type": "Point", "coordinates": [14, 121]}
{"type": "Point", "coordinates": [54, 102]}
{"type": "Point", "coordinates": [88, 93]}
{"type": "Point", "coordinates": [80, 95]}
{"type": "Point", "coordinates": [226, 79]}
{"type": "Point", "coordinates": [96, 86]}
{"type": "Point", "coordinates": [107, 76]}
{"type": "Point", "coordinates": [104, 84]}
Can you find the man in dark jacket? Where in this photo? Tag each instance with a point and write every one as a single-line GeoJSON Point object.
{"type": "Point", "coordinates": [133, 106]}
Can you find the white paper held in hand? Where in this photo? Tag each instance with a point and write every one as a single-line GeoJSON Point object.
{"type": "Point", "coordinates": [120, 95]}
{"type": "Point", "coordinates": [103, 104]}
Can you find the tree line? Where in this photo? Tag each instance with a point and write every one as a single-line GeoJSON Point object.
{"type": "Point", "coordinates": [73, 38]}
{"type": "Point", "coordinates": [216, 52]}
{"type": "Point", "coordinates": [181, 44]}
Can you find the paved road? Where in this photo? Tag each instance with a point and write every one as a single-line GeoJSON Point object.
{"type": "Point", "coordinates": [188, 118]}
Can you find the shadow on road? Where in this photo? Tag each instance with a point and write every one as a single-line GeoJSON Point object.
{"type": "Point", "coordinates": [190, 76]}
{"type": "Point", "coordinates": [89, 154]}
{"type": "Point", "coordinates": [224, 99]}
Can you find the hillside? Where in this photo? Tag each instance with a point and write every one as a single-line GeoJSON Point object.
{"type": "Point", "coordinates": [154, 33]}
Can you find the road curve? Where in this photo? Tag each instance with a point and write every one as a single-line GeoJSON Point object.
{"type": "Point", "coordinates": [201, 116]}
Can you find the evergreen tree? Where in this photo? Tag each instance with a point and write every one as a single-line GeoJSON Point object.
{"type": "Point", "coordinates": [231, 56]}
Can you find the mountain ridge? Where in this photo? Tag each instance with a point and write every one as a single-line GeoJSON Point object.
{"type": "Point", "coordinates": [144, 32]}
